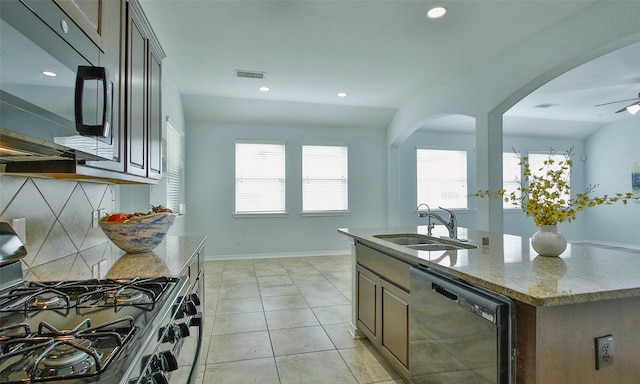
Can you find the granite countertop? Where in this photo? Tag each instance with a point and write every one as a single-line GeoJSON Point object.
{"type": "Point", "coordinates": [508, 265]}
{"type": "Point", "coordinates": [170, 258]}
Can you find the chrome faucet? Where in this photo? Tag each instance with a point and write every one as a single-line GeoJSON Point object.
{"type": "Point", "coordinates": [451, 224]}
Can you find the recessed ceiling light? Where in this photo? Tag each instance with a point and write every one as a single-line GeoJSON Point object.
{"type": "Point", "coordinates": [264, 89]}
{"type": "Point", "coordinates": [49, 73]}
{"type": "Point", "coordinates": [343, 94]}
{"type": "Point", "coordinates": [436, 12]}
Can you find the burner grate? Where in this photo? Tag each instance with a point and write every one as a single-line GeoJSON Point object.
{"type": "Point", "coordinates": [84, 296]}
{"type": "Point", "coordinates": [53, 354]}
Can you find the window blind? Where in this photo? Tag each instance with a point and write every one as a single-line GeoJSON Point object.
{"type": "Point", "coordinates": [325, 181]}
{"type": "Point", "coordinates": [260, 178]}
{"type": "Point", "coordinates": [442, 178]}
{"type": "Point", "coordinates": [175, 168]}
{"type": "Point", "coordinates": [511, 176]}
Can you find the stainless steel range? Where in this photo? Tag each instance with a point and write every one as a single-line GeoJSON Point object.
{"type": "Point", "coordinates": [101, 330]}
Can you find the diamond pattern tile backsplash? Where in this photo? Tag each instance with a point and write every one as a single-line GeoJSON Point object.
{"type": "Point", "coordinates": [60, 241]}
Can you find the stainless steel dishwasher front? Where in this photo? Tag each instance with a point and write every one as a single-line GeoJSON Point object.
{"type": "Point", "coordinates": [459, 333]}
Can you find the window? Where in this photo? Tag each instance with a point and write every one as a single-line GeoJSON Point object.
{"type": "Point", "coordinates": [511, 176]}
{"type": "Point", "coordinates": [442, 178]}
{"type": "Point", "coordinates": [260, 178]}
{"type": "Point", "coordinates": [325, 182]}
{"type": "Point", "coordinates": [538, 168]}
{"type": "Point", "coordinates": [175, 168]}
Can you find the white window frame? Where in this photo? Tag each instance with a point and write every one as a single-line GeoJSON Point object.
{"type": "Point", "coordinates": [325, 165]}
{"type": "Point", "coordinates": [265, 174]}
{"type": "Point", "coordinates": [441, 166]}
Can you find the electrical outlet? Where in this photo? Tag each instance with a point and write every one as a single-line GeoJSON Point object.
{"type": "Point", "coordinates": [20, 228]}
{"type": "Point", "coordinates": [95, 217]}
{"type": "Point", "coordinates": [239, 240]}
{"type": "Point", "coordinates": [604, 352]}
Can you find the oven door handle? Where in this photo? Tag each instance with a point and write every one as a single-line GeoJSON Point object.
{"type": "Point", "coordinates": [196, 321]}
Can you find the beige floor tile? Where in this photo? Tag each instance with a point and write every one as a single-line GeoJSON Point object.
{"type": "Point", "coordinates": [314, 368]}
{"type": "Point", "coordinates": [367, 365]}
{"type": "Point", "coordinates": [279, 290]}
{"type": "Point", "coordinates": [291, 318]}
{"type": "Point", "coordinates": [334, 314]}
{"type": "Point", "coordinates": [237, 323]}
{"type": "Point", "coordinates": [299, 340]}
{"type": "Point", "coordinates": [276, 303]}
{"type": "Point", "coordinates": [312, 345]}
{"type": "Point", "coordinates": [341, 338]}
{"type": "Point", "coordinates": [257, 371]}
{"type": "Point", "coordinates": [241, 292]}
{"type": "Point", "coordinates": [210, 305]}
{"type": "Point", "coordinates": [341, 280]}
{"type": "Point", "coordinates": [207, 327]}
{"type": "Point", "coordinates": [239, 346]}
{"type": "Point", "coordinates": [317, 287]}
{"type": "Point", "coordinates": [325, 299]}
{"type": "Point", "coordinates": [273, 281]}
{"type": "Point", "coordinates": [307, 276]}
{"type": "Point", "coordinates": [231, 306]}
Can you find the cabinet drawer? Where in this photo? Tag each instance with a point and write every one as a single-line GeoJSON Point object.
{"type": "Point", "coordinates": [391, 269]}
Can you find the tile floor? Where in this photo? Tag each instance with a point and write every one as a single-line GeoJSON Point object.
{"type": "Point", "coordinates": [283, 321]}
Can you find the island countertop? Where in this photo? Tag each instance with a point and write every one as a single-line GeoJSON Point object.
{"type": "Point", "coordinates": [508, 265]}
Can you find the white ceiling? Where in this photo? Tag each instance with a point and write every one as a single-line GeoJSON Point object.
{"type": "Point", "coordinates": [382, 53]}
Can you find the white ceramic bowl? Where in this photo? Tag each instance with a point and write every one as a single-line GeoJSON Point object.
{"type": "Point", "coordinates": [138, 234]}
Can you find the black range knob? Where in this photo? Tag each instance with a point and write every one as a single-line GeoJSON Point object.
{"type": "Point", "coordinates": [159, 378]}
{"type": "Point", "coordinates": [168, 361]}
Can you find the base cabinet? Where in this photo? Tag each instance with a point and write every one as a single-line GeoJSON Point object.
{"type": "Point", "coordinates": [395, 322]}
{"type": "Point", "coordinates": [382, 312]}
{"type": "Point", "coordinates": [368, 287]}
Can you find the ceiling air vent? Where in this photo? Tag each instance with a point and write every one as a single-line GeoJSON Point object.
{"type": "Point", "coordinates": [544, 105]}
{"type": "Point", "coordinates": [250, 74]}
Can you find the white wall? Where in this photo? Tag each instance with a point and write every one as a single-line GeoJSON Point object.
{"type": "Point", "coordinates": [210, 190]}
{"type": "Point", "coordinates": [610, 152]}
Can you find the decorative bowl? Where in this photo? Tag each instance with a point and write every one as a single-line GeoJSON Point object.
{"type": "Point", "coordinates": [138, 234]}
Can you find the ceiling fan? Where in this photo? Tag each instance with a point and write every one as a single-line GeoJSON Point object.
{"type": "Point", "coordinates": [631, 108]}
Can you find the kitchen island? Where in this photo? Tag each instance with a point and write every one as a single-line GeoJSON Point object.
{"type": "Point", "coordinates": [562, 304]}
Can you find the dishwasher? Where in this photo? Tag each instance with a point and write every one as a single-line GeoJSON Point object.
{"type": "Point", "coordinates": [458, 332]}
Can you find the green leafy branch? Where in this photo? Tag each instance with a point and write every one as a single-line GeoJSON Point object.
{"type": "Point", "coordinates": [545, 194]}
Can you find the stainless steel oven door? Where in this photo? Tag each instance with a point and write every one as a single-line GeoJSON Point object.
{"type": "Point", "coordinates": [55, 83]}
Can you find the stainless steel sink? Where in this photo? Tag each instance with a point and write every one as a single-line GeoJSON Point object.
{"type": "Point", "coordinates": [435, 247]}
{"type": "Point", "coordinates": [424, 242]}
{"type": "Point", "coordinates": [407, 239]}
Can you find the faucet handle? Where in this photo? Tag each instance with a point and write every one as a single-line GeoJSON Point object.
{"type": "Point", "coordinates": [448, 211]}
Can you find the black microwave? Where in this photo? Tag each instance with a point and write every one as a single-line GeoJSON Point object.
{"type": "Point", "coordinates": [56, 87]}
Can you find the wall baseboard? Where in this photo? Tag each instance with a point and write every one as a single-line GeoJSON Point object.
{"type": "Point", "coordinates": [276, 255]}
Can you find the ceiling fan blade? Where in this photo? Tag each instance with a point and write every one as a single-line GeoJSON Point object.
{"type": "Point", "coordinates": [625, 108]}
{"type": "Point", "coordinates": [616, 102]}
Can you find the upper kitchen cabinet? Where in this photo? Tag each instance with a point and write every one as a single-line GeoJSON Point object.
{"type": "Point", "coordinates": [91, 16]}
{"type": "Point", "coordinates": [143, 99]}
